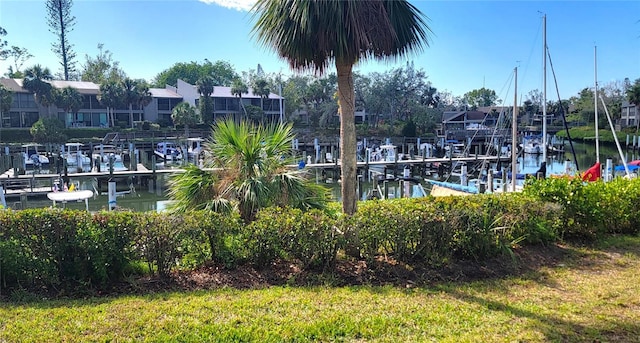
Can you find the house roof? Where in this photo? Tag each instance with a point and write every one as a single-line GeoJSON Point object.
{"type": "Point", "coordinates": [450, 116]}
{"type": "Point", "coordinates": [164, 93]}
{"type": "Point", "coordinates": [84, 87]}
{"type": "Point", "coordinates": [12, 85]}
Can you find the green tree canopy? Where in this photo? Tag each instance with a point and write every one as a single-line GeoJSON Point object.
{"type": "Point", "coordinates": [48, 130]}
{"type": "Point", "coordinates": [35, 81]}
{"type": "Point", "coordinates": [101, 68]}
{"type": "Point", "coordinates": [68, 99]}
{"type": "Point", "coordinates": [221, 72]}
{"type": "Point", "coordinates": [6, 99]}
{"type": "Point", "coordinates": [185, 114]}
{"type": "Point", "coordinates": [481, 97]}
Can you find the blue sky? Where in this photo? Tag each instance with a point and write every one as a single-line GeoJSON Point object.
{"type": "Point", "coordinates": [474, 43]}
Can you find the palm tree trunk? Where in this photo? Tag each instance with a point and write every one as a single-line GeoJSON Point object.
{"type": "Point", "coordinates": [131, 115]}
{"type": "Point", "coordinates": [346, 108]}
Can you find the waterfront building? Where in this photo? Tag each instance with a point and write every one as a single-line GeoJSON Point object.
{"type": "Point", "coordinates": [25, 111]}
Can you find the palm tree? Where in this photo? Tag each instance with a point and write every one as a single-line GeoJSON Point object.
{"type": "Point", "coordinates": [250, 173]}
{"type": "Point", "coordinates": [310, 34]}
{"type": "Point", "coordinates": [206, 86]}
{"type": "Point", "coordinates": [633, 95]}
{"type": "Point", "coordinates": [185, 114]}
{"type": "Point", "coordinates": [136, 92]}
{"type": "Point", "coordinates": [145, 96]}
{"type": "Point", "coordinates": [6, 99]}
{"type": "Point", "coordinates": [261, 88]}
{"type": "Point", "coordinates": [112, 96]}
{"type": "Point", "coordinates": [238, 88]}
{"type": "Point", "coordinates": [35, 81]}
{"type": "Point", "coordinates": [70, 100]}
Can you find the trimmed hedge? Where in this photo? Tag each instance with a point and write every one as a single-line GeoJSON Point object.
{"type": "Point", "coordinates": [64, 249]}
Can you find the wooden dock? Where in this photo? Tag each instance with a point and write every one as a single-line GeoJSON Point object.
{"type": "Point", "coordinates": [144, 171]}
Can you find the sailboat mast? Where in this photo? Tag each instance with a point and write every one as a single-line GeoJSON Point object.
{"type": "Point", "coordinates": [544, 88]}
{"type": "Point", "coordinates": [514, 133]}
{"type": "Point", "coordinates": [595, 99]}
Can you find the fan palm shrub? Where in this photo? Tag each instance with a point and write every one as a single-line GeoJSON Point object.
{"type": "Point", "coordinates": [247, 168]}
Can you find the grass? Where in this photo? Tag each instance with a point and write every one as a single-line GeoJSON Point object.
{"type": "Point", "coordinates": [590, 297]}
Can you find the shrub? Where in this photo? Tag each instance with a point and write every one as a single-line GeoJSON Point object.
{"type": "Point", "coordinates": [16, 135]}
{"type": "Point", "coordinates": [158, 237]}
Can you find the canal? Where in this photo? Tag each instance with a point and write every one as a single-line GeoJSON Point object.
{"type": "Point", "coordinates": [149, 199]}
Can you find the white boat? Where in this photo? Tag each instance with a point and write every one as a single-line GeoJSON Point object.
{"type": "Point", "coordinates": [32, 158]}
{"type": "Point", "coordinates": [75, 158]}
{"type": "Point", "coordinates": [532, 145]}
{"type": "Point", "coordinates": [168, 151]}
{"type": "Point", "coordinates": [108, 155]}
{"type": "Point", "coordinates": [194, 148]}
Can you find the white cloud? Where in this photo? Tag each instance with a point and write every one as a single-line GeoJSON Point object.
{"type": "Point", "coordinates": [240, 5]}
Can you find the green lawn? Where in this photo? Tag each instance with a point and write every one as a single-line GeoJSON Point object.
{"type": "Point", "coordinates": [594, 296]}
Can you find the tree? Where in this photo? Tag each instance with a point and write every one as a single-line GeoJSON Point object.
{"type": "Point", "coordinates": [480, 98]}
{"type": "Point", "coordinates": [221, 71]}
{"type": "Point", "coordinates": [61, 23]}
{"type": "Point", "coordinates": [19, 57]}
{"type": "Point", "coordinates": [185, 114]}
{"type": "Point", "coordinates": [250, 173]}
{"type": "Point", "coordinates": [311, 34]}
{"type": "Point", "coordinates": [3, 44]}
{"type": "Point", "coordinates": [206, 87]}
{"type": "Point", "coordinates": [68, 99]}
{"type": "Point", "coordinates": [35, 81]}
{"type": "Point", "coordinates": [112, 96]}
{"type": "Point", "coordinates": [633, 95]}
{"type": "Point", "coordinates": [48, 130]}
{"type": "Point", "coordinates": [238, 88]}
{"type": "Point", "coordinates": [135, 92]}
{"type": "Point", "coordinates": [18, 54]}
{"type": "Point", "coordinates": [102, 68]}
{"type": "Point", "coordinates": [261, 88]}
{"type": "Point", "coordinates": [6, 99]}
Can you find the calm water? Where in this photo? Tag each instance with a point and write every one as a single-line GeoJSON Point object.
{"type": "Point", "coordinates": [149, 200]}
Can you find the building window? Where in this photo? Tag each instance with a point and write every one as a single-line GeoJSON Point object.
{"type": "Point", "coordinates": [220, 104]}
{"type": "Point", "coordinates": [86, 101]}
{"type": "Point", "coordinates": [164, 104]}
{"type": "Point", "coordinates": [232, 104]}
{"type": "Point", "coordinates": [25, 100]}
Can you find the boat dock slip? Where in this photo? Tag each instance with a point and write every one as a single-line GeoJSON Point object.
{"type": "Point", "coordinates": [143, 171]}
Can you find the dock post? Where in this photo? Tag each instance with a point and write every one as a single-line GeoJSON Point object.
{"type": "Point", "coordinates": [153, 172]}
{"type": "Point", "coordinates": [504, 181]}
{"type": "Point", "coordinates": [367, 154]}
{"type": "Point", "coordinates": [112, 194]}
{"type": "Point", "coordinates": [3, 201]}
{"type": "Point", "coordinates": [463, 175]}
{"type": "Point", "coordinates": [395, 165]}
{"type": "Point", "coordinates": [386, 189]}
{"type": "Point", "coordinates": [608, 170]}
{"type": "Point", "coordinates": [490, 181]}
{"type": "Point", "coordinates": [112, 160]}
{"type": "Point", "coordinates": [132, 157]}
